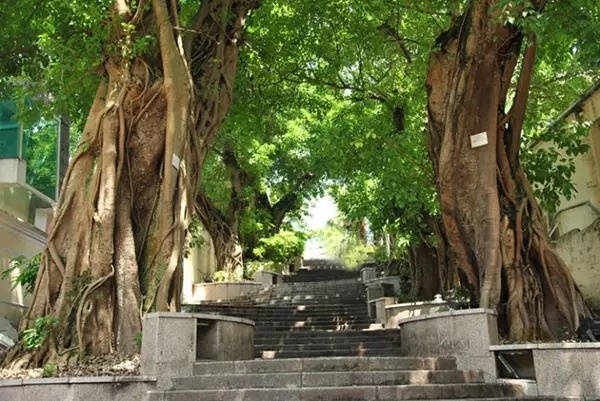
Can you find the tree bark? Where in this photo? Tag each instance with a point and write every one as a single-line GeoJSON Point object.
{"type": "Point", "coordinates": [228, 250]}
{"type": "Point", "coordinates": [116, 245]}
{"type": "Point", "coordinates": [492, 222]}
{"type": "Point", "coordinates": [426, 266]}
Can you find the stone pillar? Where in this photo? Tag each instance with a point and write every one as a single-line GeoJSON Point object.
{"type": "Point", "coordinates": [168, 345]}
{"type": "Point", "coordinates": [368, 273]}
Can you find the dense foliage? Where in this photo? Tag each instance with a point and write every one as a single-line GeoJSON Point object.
{"type": "Point", "coordinates": [329, 95]}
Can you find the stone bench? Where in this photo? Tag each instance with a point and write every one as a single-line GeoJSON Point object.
{"type": "Point", "coordinates": [555, 369]}
{"type": "Point", "coordinates": [172, 341]}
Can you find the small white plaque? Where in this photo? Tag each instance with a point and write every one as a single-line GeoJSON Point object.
{"type": "Point", "coordinates": [176, 161]}
{"type": "Point", "coordinates": [478, 140]}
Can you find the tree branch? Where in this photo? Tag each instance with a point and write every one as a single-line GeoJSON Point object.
{"type": "Point", "coordinates": [392, 33]}
{"type": "Point", "coordinates": [239, 179]}
{"type": "Point", "coordinates": [288, 202]}
{"type": "Point", "coordinates": [517, 113]}
{"type": "Point", "coordinates": [340, 86]}
{"type": "Point", "coordinates": [210, 215]}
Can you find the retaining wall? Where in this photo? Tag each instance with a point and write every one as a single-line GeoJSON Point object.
{"type": "Point", "coordinates": [223, 291]}
{"type": "Point", "coordinates": [103, 388]}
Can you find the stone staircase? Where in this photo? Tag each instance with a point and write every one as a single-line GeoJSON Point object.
{"type": "Point", "coordinates": [335, 379]}
{"type": "Point", "coordinates": [322, 315]}
{"type": "Point", "coordinates": [314, 341]}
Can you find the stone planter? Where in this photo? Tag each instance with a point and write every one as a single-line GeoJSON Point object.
{"type": "Point", "coordinates": [223, 291]}
{"type": "Point", "coordinates": [464, 334]}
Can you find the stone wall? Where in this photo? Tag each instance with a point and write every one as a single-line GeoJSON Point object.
{"type": "Point", "coordinates": [104, 388]}
{"type": "Point", "coordinates": [17, 239]}
{"type": "Point", "coordinates": [575, 225]}
{"type": "Point", "coordinates": [222, 291]}
{"type": "Point", "coordinates": [581, 251]}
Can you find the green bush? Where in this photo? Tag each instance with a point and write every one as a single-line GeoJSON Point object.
{"type": "Point", "coordinates": [281, 248]}
{"type": "Point", "coordinates": [27, 269]}
{"type": "Point", "coordinates": [194, 237]}
{"type": "Point", "coordinates": [250, 268]}
{"type": "Point", "coordinates": [34, 338]}
{"type": "Point", "coordinates": [222, 276]}
{"type": "Point", "coordinates": [49, 370]}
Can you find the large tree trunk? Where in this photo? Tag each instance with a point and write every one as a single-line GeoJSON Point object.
{"type": "Point", "coordinates": [115, 249]}
{"type": "Point", "coordinates": [491, 219]}
{"type": "Point", "coordinates": [425, 275]}
{"type": "Point", "coordinates": [228, 250]}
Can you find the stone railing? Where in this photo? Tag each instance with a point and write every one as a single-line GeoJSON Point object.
{"type": "Point", "coordinates": [392, 314]}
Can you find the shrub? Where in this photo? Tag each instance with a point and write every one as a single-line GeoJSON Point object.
{"type": "Point", "coordinates": [27, 269]}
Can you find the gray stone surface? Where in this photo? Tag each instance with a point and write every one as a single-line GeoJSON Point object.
{"type": "Point", "coordinates": [8, 334]}
{"type": "Point", "coordinates": [173, 342]}
{"type": "Point", "coordinates": [465, 335]}
{"type": "Point", "coordinates": [168, 345]}
{"type": "Point", "coordinates": [367, 274]}
{"type": "Point", "coordinates": [380, 311]}
{"type": "Point", "coordinates": [262, 366]}
{"type": "Point", "coordinates": [267, 278]}
{"type": "Point", "coordinates": [87, 389]}
{"type": "Point", "coordinates": [223, 291]}
{"type": "Point", "coordinates": [529, 386]}
{"type": "Point", "coordinates": [224, 340]}
{"type": "Point", "coordinates": [394, 313]}
{"type": "Point", "coordinates": [564, 371]}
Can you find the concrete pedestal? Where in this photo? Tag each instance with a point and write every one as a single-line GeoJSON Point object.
{"type": "Point", "coordinates": [173, 342]}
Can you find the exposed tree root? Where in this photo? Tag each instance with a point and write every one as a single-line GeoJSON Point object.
{"type": "Point", "coordinates": [115, 247]}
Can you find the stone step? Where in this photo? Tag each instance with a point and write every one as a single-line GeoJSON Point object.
{"type": "Point", "coordinates": [354, 393]}
{"type": "Point", "coordinates": [325, 346]}
{"type": "Point", "coordinates": [324, 340]}
{"type": "Point", "coordinates": [287, 312]}
{"type": "Point", "coordinates": [392, 351]}
{"type": "Point", "coordinates": [315, 291]}
{"type": "Point", "coordinates": [319, 285]}
{"type": "Point", "coordinates": [289, 304]}
{"type": "Point", "coordinates": [343, 364]}
{"type": "Point", "coordinates": [268, 326]}
{"type": "Point", "coordinates": [339, 286]}
{"type": "Point", "coordinates": [333, 320]}
{"type": "Point", "coordinates": [319, 333]}
{"type": "Point", "coordinates": [291, 313]}
{"type": "Point", "coordinates": [325, 379]}
{"type": "Point", "coordinates": [289, 301]}
{"type": "Point", "coordinates": [323, 308]}
{"type": "Point", "coordinates": [294, 317]}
